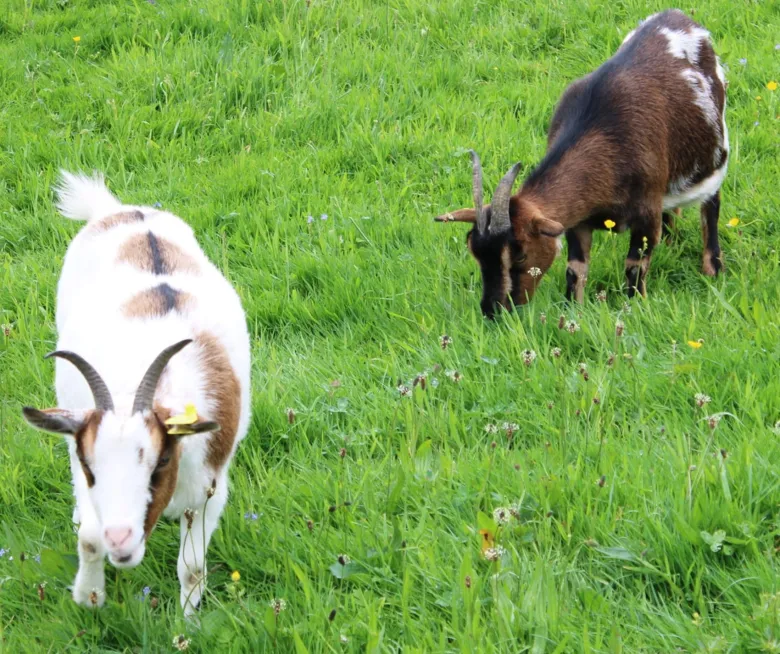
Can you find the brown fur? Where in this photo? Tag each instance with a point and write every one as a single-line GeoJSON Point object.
{"type": "Point", "coordinates": [138, 252]}
{"type": "Point", "coordinates": [224, 390]}
{"type": "Point", "coordinates": [155, 303]}
{"type": "Point", "coordinates": [85, 444]}
{"type": "Point", "coordinates": [122, 218]}
{"type": "Point", "coordinates": [621, 139]}
{"type": "Point", "coordinates": [163, 482]}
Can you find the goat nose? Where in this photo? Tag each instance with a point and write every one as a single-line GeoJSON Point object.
{"type": "Point", "coordinates": [117, 536]}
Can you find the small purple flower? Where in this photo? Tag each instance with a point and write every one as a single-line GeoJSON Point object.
{"type": "Point", "coordinates": [37, 558]}
{"type": "Point", "coordinates": [3, 552]}
{"type": "Point", "coordinates": [777, 47]}
{"type": "Point", "coordinates": [250, 516]}
{"type": "Point", "coordinates": [157, 205]}
{"type": "Point", "coordinates": [756, 124]}
{"type": "Point", "coordinates": [146, 591]}
{"type": "Point", "coordinates": [310, 219]}
{"type": "Point", "coordinates": [324, 216]}
{"type": "Point", "coordinates": [743, 61]}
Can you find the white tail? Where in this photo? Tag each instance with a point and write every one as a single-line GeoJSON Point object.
{"type": "Point", "coordinates": [85, 198]}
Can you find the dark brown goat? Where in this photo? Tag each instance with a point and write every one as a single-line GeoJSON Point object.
{"type": "Point", "coordinates": [641, 135]}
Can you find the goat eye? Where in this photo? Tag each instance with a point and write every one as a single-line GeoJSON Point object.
{"type": "Point", "coordinates": [163, 460]}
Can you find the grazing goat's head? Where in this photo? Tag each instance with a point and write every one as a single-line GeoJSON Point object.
{"type": "Point", "coordinates": [512, 242]}
{"type": "Point", "coordinates": [130, 463]}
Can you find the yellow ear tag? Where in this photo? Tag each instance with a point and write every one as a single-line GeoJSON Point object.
{"type": "Point", "coordinates": [180, 422]}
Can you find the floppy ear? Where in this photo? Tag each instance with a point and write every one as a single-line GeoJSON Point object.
{"type": "Point", "coordinates": [56, 421]}
{"type": "Point", "coordinates": [459, 216]}
{"type": "Point", "coordinates": [184, 424]}
{"type": "Point", "coordinates": [544, 227]}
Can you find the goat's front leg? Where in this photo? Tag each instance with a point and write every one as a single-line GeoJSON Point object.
{"type": "Point", "coordinates": [578, 240]}
{"type": "Point", "coordinates": [197, 526]}
{"type": "Point", "coordinates": [645, 235]}
{"type": "Point", "coordinates": [89, 587]}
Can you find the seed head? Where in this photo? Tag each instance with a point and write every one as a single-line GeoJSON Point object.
{"type": "Point", "coordinates": [189, 516]}
{"type": "Point", "coordinates": [543, 318]}
{"type": "Point", "coordinates": [572, 327]}
{"type": "Point", "coordinates": [420, 379]}
{"type": "Point", "coordinates": [713, 421]}
{"type": "Point", "coordinates": [332, 615]}
{"type": "Point", "coordinates": [601, 296]}
{"type": "Point", "coordinates": [701, 399]}
{"type": "Point", "coordinates": [94, 596]}
{"type": "Point", "coordinates": [343, 452]}
{"type": "Point", "coordinates": [501, 515]}
{"type": "Point", "coordinates": [619, 327]}
{"type": "Point", "coordinates": [181, 642]}
{"type": "Point", "coordinates": [510, 428]}
{"type": "Point", "coordinates": [290, 415]}
{"type": "Point", "coordinates": [626, 308]}
{"type": "Point", "coordinates": [529, 356]}
{"type": "Point", "coordinates": [490, 428]}
{"type": "Point", "coordinates": [493, 553]}
{"type": "Point", "coordinates": [154, 602]}
{"type": "Point", "coordinates": [454, 376]}
{"type": "Point", "coordinates": [6, 328]}
{"type": "Point", "coordinates": [343, 559]}
{"type": "Point", "coordinates": [535, 272]}
{"type": "Point", "coordinates": [556, 352]}
{"type": "Point", "coordinates": [467, 581]}
{"type": "Point", "coordinates": [611, 360]}
{"type": "Point", "coordinates": [278, 605]}
{"type": "Point", "coordinates": [602, 480]}
{"type": "Point", "coordinates": [596, 400]}
{"type": "Point", "coordinates": [403, 390]}
{"type": "Point", "coordinates": [493, 445]}
{"type": "Point", "coordinates": [561, 322]}
{"type": "Point", "coordinates": [445, 341]}
{"type": "Point", "coordinates": [41, 591]}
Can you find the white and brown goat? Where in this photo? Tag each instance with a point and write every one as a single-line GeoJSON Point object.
{"type": "Point", "coordinates": [147, 326]}
{"type": "Point", "coordinates": [641, 135]}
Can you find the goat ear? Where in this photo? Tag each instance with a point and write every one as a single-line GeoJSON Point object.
{"type": "Point", "coordinates": [56, 421]}
{"type": "Point", "coordinates": [459, 216]}
{"type": "Point", "coordinates": [199, 427]}
{"type": "Point", "coordinates": [546, 227]}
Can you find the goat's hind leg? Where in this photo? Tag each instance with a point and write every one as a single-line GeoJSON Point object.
{"type": "Point", "coordinates": [710, 212]}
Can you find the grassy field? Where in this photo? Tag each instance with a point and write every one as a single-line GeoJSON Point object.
{"type": "Point", "coordinates": [310, 144]}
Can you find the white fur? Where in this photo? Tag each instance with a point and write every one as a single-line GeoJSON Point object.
{"type": "Point", "coordinates": [680, 195]}
{"type": "Point", "coordinates": [685, 45]}
{"type": "Point", "coordinates": [93, 287]}
{"type": "Point", "coordinates": [702, 96]}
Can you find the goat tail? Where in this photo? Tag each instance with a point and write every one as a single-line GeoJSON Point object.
{"type": "Point", "coordinates": [80, 197]}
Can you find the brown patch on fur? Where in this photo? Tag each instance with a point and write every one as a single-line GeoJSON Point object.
{"type": "Point", "coordinates": [707, 267]}
{"type": "Point", "coordinates": [506, 267]}
{"type": "Point", "coordinates": [163, 481]}
{"type": "Point", "coordinates": [85, 444]}
{"type": "Point", "coordinates": [89, 547]}
{"type": "Point", "coordinates": [122, 218]}
{"type": "Point", "coordinates": [224, 391]}
{"type": "Point", "coordinates": [156, 302]}
{"type": "Point", "coordinates": [157, 255]}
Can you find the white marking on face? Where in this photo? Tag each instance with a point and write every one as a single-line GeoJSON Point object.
{"type": "Point", "coordinates": [121, 492]}
{"type": "Point", "coordinates": [506, 266]}
{"type": "Point", "coordinates": [685, 45]}
{"type": "Point", "coordinates": [558, 245]}
{"type": "Point", "coordinates": [697, 193]}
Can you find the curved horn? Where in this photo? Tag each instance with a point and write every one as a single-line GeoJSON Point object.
{"type": "Point", "coordinates": [499, 207]}
{"type": "Point", "coordinates": [144, 396]}
{"type": "Point", "coordinates": [100, 392]}
{"type": "Point", "coordinates": [476, 186]}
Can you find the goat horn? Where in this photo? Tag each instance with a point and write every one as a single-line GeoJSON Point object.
{"type": "Point", "coordinates": [100, 392]}
{"type": "Point", "coordinates": [499, 207]}
{"type": "Point", "coordinates": [476, 184]}
{"type": "Point", "coordinates": [144, 396]}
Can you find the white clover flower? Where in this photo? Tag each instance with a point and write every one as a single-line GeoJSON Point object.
{"type": "Point", "coordinates": [535, 272]}
{"type": "Point", "coordinates": [490, 428]}
{"type": "Point", "coordinates": [181, 642]}
{"type": "Point", "coordinates": [494, 553]}
{"type": "Point", "coordinates": [278, 605]}
{"type": "Point", "coordinates": [702, 399]}
{"type": "Point", "coordinates": [529, 356]}
{"type": "Point", "coordinates": [501, 515]}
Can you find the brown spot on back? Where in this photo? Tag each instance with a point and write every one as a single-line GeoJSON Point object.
{"type": "Point", "coordinates": [224, 390]}
{"type": "Point", "coordinates": [156, 255]}
{"type": "Point", "coordinates": [156, 302]}
{"type": "Point", "coordinates": [114, 220]}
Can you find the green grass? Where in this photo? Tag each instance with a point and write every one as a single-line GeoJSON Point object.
{"type": "Point", "coordinates": [246, 117]}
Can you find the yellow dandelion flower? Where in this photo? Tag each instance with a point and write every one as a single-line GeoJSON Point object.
{"type": "Point", "coordinates": [236, 576]}
{"type": "Point", "coordinates": [609, 224]}
{"type": "Point", "coordinates": [696, 344]}
{"type": "Point", "coordinates": [76, 39]}
{"type": "Point", "coordinates": [772, 86]}
{"type": "Point", "coordinates": [733, 222]}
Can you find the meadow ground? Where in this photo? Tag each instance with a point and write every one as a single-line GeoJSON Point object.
{"type": "Point", "coordinates": [640, 521]}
